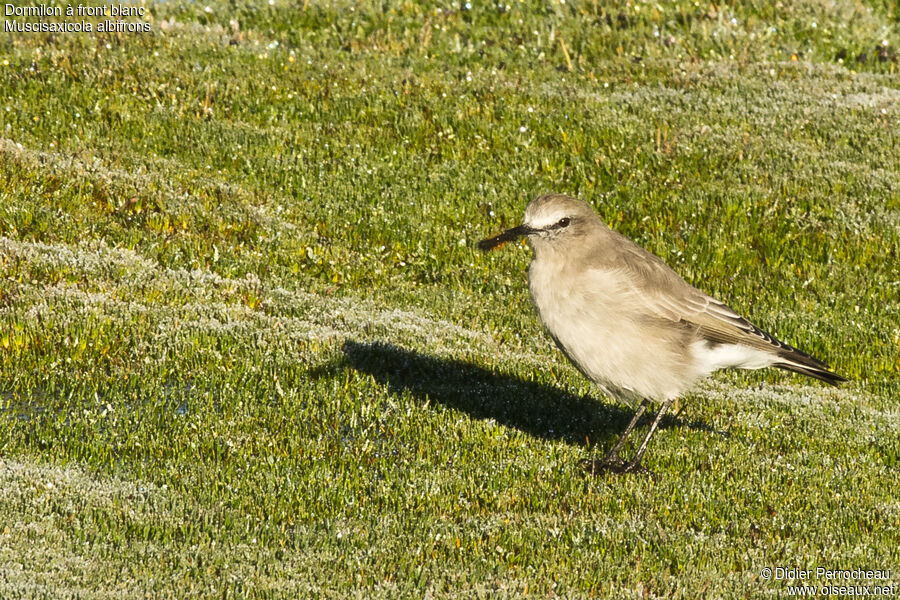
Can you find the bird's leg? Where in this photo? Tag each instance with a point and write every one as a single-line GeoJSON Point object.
{"type": "Point", "coordinates": [634, 464]}
{"type": "Point", "coordinates": [612, 458]}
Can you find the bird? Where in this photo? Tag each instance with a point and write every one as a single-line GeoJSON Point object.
{"type": "Point", "coordinates": [629, 323]}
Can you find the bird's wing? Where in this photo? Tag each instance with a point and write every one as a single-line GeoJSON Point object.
{"type": "Point", "coordinates": [666, 295]}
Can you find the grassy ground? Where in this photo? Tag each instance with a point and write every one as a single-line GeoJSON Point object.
{"type": "Point", "coordinates": [248, 350]}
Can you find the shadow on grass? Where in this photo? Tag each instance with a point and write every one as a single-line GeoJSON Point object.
{"type": "Point", "coordinates": [539, 410]}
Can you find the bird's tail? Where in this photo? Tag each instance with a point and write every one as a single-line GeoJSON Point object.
{"type": "Point", "coordinates": [791, 359]}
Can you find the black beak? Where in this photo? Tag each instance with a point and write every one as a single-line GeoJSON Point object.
{"type": "Point", "coordinates": [506, 236]}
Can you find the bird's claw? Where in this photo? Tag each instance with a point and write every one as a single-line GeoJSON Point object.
{"type": "Point", "coordinates": [613, 463]}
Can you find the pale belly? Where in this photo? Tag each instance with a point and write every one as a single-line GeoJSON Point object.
{"type": "Point", "coordinates": [609, 340]}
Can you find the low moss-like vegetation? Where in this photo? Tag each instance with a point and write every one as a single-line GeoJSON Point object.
{"type": "Point", "coordinates": [248, 348]}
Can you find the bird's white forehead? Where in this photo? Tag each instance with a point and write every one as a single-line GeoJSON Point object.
{"type": "Point", "coordinates": [544, 214]}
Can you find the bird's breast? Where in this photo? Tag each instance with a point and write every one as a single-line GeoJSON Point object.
{"type": "Point", "coordinates": [575, 307]}
{"type": "Point", "coordinates": [595, 319]}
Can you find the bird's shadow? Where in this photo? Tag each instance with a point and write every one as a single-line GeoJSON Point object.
{"type": "Point", "coordinates": [543, 411]}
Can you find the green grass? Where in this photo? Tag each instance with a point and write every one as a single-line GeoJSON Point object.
{"type": "Point", "coordinates": [248, 348]}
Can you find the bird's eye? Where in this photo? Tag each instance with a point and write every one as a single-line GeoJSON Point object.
{"type": "Point", "coordinates": [564, 222]}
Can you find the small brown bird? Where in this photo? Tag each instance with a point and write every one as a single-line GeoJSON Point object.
{"type": "Point", "coordinates": [630, 323]}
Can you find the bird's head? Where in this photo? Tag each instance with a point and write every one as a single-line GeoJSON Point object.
{"type": "Point", "coordinates": [552, 220]}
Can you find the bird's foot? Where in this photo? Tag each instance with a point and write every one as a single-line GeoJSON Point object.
{"type": "Point", "coordinates": [613, 463]}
